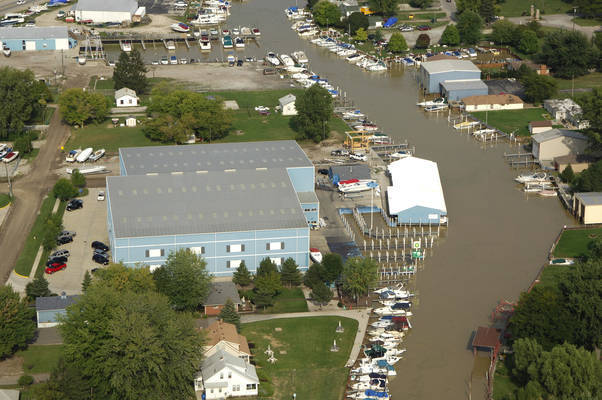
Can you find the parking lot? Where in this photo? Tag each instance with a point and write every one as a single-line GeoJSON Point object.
{"type": "Point", "coordinates": [90, 224]}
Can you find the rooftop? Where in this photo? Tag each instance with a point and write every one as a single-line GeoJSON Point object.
{"type": "Point", "coordinates": [540, 124]}
{"type": "Point", "coordinates": [9, 394]}
{"type": "Point", "coordinates": [440, 66]}
{"type": "Point", "coordinates": [492, 99]}
{"type": "Point", "coordinates": [107, 5]}
{"type": "Point", "coordinates": [486, 337]}
{"type": "Point", "coordinates": [220, 201]}
{"type": "Point", "coordinates": [221, 292]}
{"type": "Point", "coordinates": [465, 84]}
{"type": "Point", "coordinates": [289, 98]}
{"type": "Point", "coordinates": [220, 330]}
{"type": "Point", "coordinates": [346, 172]}
{"type": "Point", "coordinates": [307, 197]}
{"type": "Point", "coordinates": [556, 133]}
{"type": "Point", "coordinates": [55, 302]}
{"type": "Point", "coordinates": [576, 159]}
{"type": "Point", "coordinates": [590, 198]}
{"type": "Point", "coordinates": [213, 157]}
{"type": "Point", "coordinates": [222, 359]}
{"type": "Point", "coordinates": [125, 92]}
{"type": "Point", "coordinates": [33, 32]}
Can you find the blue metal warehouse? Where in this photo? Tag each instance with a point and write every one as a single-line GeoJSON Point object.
{"type": "Point", "coordinates": [457, 90]}
{"type": "Point", "coordinates": [36, 38]}
{"type": "Point", "coordinates": [228, 202]}
{"type": "Point", "coordinates": [433, 73]}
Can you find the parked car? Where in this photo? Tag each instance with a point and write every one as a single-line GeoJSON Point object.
{"type": "Point", "coordinates": [60, 253]}
{"type": "Point", "coordinates": [358, 157]}
{"type": "Point", "coordinates": [100, 251]}
{"type": "Point", "coordinates": [100, 245]}
{"type": "Point", "coordinates": [323, 171]}
{"type": "Point", "coordinates": [75, 204]}
{"type": "Point", "coordinates": [68, 233]}
{"type": "Point", "coordinates": [406, 28]}
{"type": "Point", "coordinates": [53, 260]}
{"type": "Point", "coordinates": [54, 267]}
{"type": "Point", "coordinates": [423, 27]}
{"type": "Point", "coordinates": [64, 239]}
{"type": "Point", "coordinates": [100, 259]}
{"type": "Point", "coordinates": [339, 152]}
{"type": "Point", "coordinates": [101, 196]}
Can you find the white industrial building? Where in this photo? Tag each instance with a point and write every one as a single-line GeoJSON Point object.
{"type": "Point", "coordinates": [105, 11]}
{"type": "Point", "coordinates": [416, 196]}
{"type": "Point", "coordinates": [31, 38]}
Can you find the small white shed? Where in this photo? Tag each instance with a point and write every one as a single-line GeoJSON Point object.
{"type": "Point", "coordinates": [126, 97]}
{"type": "Point", "coordinates": [130, 121]}
{"type": "Point", "coordinates": [287, 104]}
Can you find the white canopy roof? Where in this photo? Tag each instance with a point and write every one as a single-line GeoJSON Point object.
{"type": "Point", "coordinates": [416, 182]}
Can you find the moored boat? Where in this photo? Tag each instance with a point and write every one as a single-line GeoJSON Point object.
{"type": "Point", "coordinates": [84, 155]}
{"type": "Point", "coordinates": [11, 156]}
{"type": "Point", "coordinates": [300, 57]}
{"type": "Point", "coordinates": [97, 155]}
{"type": "Point", "coordinates": [315, 255]}
{"type": "Point", "coordinates": [72, 155]}
{"type": "Point", "coordinates": [272, 59]}
{"type": "Point", "coordinates": [180, 27]}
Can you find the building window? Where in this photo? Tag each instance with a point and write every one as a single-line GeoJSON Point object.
{"type": "Point", "coordinates": [121, 101]}
{"type": "Point", "coordinates": [235, 248]}
{"type": "Point", "coordinates": [276, 260]}
{"type": "Point", "coordinates": [274, 246]}
{"type": "Point", "coordinates": [236, 388]}
{"type": "Point", "coordinates": [197, 250]}
{"type": "Point", "coordinates": [233, 263]}
{"type": "Point", "coordinates": [155, 253]}
{"type": "Point", "coordinates": [221, 375]}
{"type": "Point", "coordinates": [251, 386]}
{"type": "Point", "coordinates": [130, 100]}
{"type": "Point", "coordinates": [153, 267]}
{"type": "Point", "coordinates": [229, 375]}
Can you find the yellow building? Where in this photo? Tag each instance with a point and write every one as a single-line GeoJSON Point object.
{"type": "Point", "coordinates": [587, 207]}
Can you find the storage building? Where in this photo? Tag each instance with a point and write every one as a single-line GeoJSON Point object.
{"type": "Point", "coordinates": [458, 90]}
{"type": "Point", "coordinates": [492, 102]}
{"type": "Point", "coordinates": [587, 207]}
{"type": "Point", "coordinates": [578, 162]}
{"type": "Point", "coordinates": [416, 196]}
{"type": "Point", "coordinates": [48, 309]}
{"type": "Point", "coordinates": [433, 73]}
{"type": "Point", "coordinates": [105, 11]}
{"type": "Point", "coordinates": [218, 296]}
{"type": "Point", "coordinates": [539, 126]}
{"type": "Point", "coordinates": [338, 173]}
{"type": "Point", "coordinates": [558, 142]}
{"type": "Point", "coordinates": [36, 38]}
{"type": "Point", "coordinates": [126, 97]}
{"type": "Point", "coordinates": [287, 104]}
{"type": "Point", "coordinates": [228, 202]}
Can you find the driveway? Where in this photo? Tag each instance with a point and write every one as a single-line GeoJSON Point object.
{"type": "Point", "coordinates": [559, 21]}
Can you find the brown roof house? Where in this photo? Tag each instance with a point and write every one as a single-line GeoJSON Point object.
{"type": "Point", "coordinates": [219, 295]}
{"type": "Point", "coordinates": [578, 162]}
{"type": "Point", "coordinates": [223, 336]}
{"type": "Point", "coordinates": [540, 69]}
{"type": "Point", "coordinates": [486, 339]}
{"type": "Point", "coordinates": [492, 102]}
{"type": "Point", "coordinates": [539, 126]}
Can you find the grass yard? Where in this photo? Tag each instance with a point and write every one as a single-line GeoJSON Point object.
{"type": "Point", "coordinates": [405, 15]}
{"type": "Point", "coordinates": [591, 80]}
{"type": "Point", "coordinates": [511, 120]}
{"type": "Point", "coordinates": [43, 119]}
{"type": "Point", "coordinates": [587, 21]}
{"type": "Point", "coordinates": [34, 239]}
{"type": "Point", "coordinates": [573, 243]}
{"type": "Point", "coordinates": [101, 84]}
{"type": "Point", "coordinates": [502, 384]}
{"type": "Point", "coordinates": [305, 365]}
{"type": "Point", "coordinates": [4, 200]}
{"type": "Point", "coordinates": [552, 275]}
{"type": "Point", "coordinates": [40, 359]}
{"type": "Point", "coordinates": [290, 300]}
{"type": "Point", "coordinates": [248, 99]}
{"type": "Point", "coordinates": [45, 253]}
{"type": "Point", "coordinates": [111, 139]}
{"type": "Point", "coordinates": [516, 8]}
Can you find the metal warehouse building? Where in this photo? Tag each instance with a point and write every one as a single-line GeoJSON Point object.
{"type": "Point", "coordinates": [433, 73]}
{"type": "Point", "coordinates": [36, 38]}
{"type": "Point", "coordinates": [458, 90]}
{"type": "Point", "coordinates": [227, 202]}
{"type": "Point", "coordinates": [103, 11]}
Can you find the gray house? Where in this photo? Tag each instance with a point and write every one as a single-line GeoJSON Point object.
{"type": "Point", "coordinates": [49, 308]}
{"type": "Point", "coordinates": [219, 295]}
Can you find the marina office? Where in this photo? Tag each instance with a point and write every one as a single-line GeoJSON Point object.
{"type": "Point", "coordinates": [227, 202]}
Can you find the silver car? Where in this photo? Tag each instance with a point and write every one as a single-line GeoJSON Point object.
{"type": "Point", "coordinates": [60, 253]}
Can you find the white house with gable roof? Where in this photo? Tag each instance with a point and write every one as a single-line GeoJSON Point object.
{"type": "Point", "coordinates": [225, 375]}
{"type": "Point", "coordinates": [287, 104]}
{"type": "Point", "coordinates": [126, 97]}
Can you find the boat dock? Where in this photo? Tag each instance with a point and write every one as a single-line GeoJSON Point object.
{"type": "Point", "coordinates": [518, 160]}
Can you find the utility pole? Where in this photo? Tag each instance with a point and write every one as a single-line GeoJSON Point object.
{"type": "Point", "coordinates": [10, 185]}
{"type": "Point", "coordinates": [574, 12]}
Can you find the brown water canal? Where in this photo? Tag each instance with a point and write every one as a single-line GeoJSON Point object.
{"type": "Point", "coordinates": [497, 239]}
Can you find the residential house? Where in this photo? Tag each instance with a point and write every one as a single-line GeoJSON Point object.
{"type": "Point", "coordinates": [587, 207]}
{"type": "Point", "coordinates": [224, 375]}
{"type": "Point", "coordinates": [287, 104]}
{"type": "Point", "coordinates": [126, 97]}
{"type": "Point", "coordinates": [48, 309]}
{"type": "Point", "coordinates": [492, 102]}
{"type": "Point", "coordinates": [557, 142]}
{"type": "Point", "coordinates": [540, 69]}
{"type": "Point", "coordinates": [222, 336]}
{"type": "Point", "coordinates": [578, 162]}
{"type": "Point", "coordinates": [539, 126]}
{"type": "Point", "coordinates": [566, 110]}
{"type": "Point", "coordinates": [219, 295]}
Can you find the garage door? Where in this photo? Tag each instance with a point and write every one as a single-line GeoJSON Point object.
{"type": "Point", "coordinates": [30, 45]}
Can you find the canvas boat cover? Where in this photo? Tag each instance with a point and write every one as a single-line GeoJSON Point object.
{"type": "Point", "coordinates": [390, 22]}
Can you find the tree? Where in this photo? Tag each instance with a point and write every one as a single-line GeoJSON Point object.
{"type": "Point", "coordinates": [267, 286]}
{"type": "Point", "coordinates": [528, 43]}
{"type": "Point", "coordinates": [184, 279]}
{"type": "Point", "coordinates": [359, 275]}
{"type": "Point", "coordinates": [397, 43]}
{"type": "Point", "coordinates": [326, 14]}
{"type": "Point", "coordinates": [421, 3]}
{"type": "Point", "coordinates": [17, 322]}
{"type": "Point", "coordinates": [131, 345]}
{"type": "Point", "coordinates": [23, 144]}
{"type": "Point", "coordinates": [386, 8]}
{"type": "Point", "coordinates": [450, 36]}
{"type": "Point", "coordinates": [78, 179]}
{"type": "Point", "coordinates": [50, 231]}
{"type": "Point", "coordinates": [590, 179]}
{"type": "Point", "coordinates": [37, 288]}
{"type": "Point", "coordinates": [79, 107]}
{"type": "Point", "coordinates": [242, 276]}
{"type": "Point", "coordinates": [290, 273]}
{"type": "Point", "coordinates": [356, 21]}
{"type": "Point", "coordinates": [65, 383]}
{"type": "Point", "coordinates": [469, 27]}
{"type": "Point", "coordinates": [311, 3]}
{"type": "Point", "coordinates": [314, 275]}
{"type": "Point", "coordinates": [595, 249]}
{"type": "Point", "coordinates": [423, 41]}
{"type": "Point", "coordinates": [503, 32]}
{"type": "Point", "coordinates": [567, 175]}
{"type": "Point", "coordinates": [64, 189]}
{"type": "Point", "coordinates": [467, 5]}
{"type": "Point", "coordinates": [589, 8]}
{"type": "Point", "coordinates": [229, 314]}
{"type": "Point", "coordinates": [333, 267]}
{"type": "Point", "coordinates": [361, 35]}
{"type": "Point", "coordinates": [378, 35]}
{"type": "Point", "coordinates": [591, 104]}
{"type": "Point", "coordinates": [23, 97]}
{"type": "Point", "coordinates": [558, 52]}
{"type": "Point", "coordinates": [314, 110]}
{"type": "Point", "coordinates": [538, 87]}
{"type": "Point", "coordinates": [266, 266]}
{"type": "Point", "coordinates": [487, 10]}
{"type": "Point", "coordinates": [526, 353]}
{"type": "Point", "coordinates": [130, 72]}
{"type": "Point", "coordinates": [121, 278]}
{"type": "Point", "coordinates": [87, 281]}
{"type": "Point", "coordinates": [321, 294]}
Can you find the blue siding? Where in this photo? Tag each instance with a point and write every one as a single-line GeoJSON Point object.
{"type": "Point", "coordinates": [431, 82]}
{"type": "Point", "coordinates": [41, 44]}
{"type": "Point", "coordinates": [311, 212]}
{"type": "Point", "coordinates": [302, 178]}
{"type": "Point", "coordinates": [455, 95]}
{"type": "Point", "coordinates": [50, 316]}
{"type": "Point", "coordinates": [419, 214]}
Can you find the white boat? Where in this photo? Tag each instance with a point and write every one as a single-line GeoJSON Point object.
{"type": "Point", "coordinates": [180, 27]}
{"type": "Point", "coordinates": [355, 114]}
{"type": "Point", "coordinates": [481, 132]}
{"type": "Point", "coordinates": [532, 178]}
{"type": "Point", "coordinates": [205, 44]}
{"type": "Point", "coordinates": [435, 102]}
{"type": "Point", "coordinates": [170, 45]}
{"type": "Point", "coordinates": [89, 171]}
{"type": "Point", "coordinates": [548, 193]}
{"type": "Point", "coordinates": [84, 155]}
{"type": "Point", "coordinates": [287, 61]}
{"type": "Point", "coordinates": [439, 107]}
{"type": "Point", "coordinates": [206, 19]}
{"type": "Point", "coordinates": [315, 255]}
{"type": "Point", "coordinates": [126, 46]}
{"type": "Point", "coordinates": [466, 125]}
{"type": "Point", "coordinates": [81, 60]}
{"type": "Point", "coordinates": [355, 187]}
{"type": "Point", "coordinates": [97, 155]}
{"type": "Point", "coordinates": [6, 51]}
{"type": "Point", "coordinates": [245, 31]}
{"type": "Point", "coordinates": [272, 59]}
{"type": "Point", "coordinates": [11, 156]}
{"type": "Point", "coordinates": [401, 154]}
{"type": "Point", "coordinates": [239, 43]}
{"type": "Point", "coordinates": [72, 155]}
{"type": "Point", "coordinates": [379, 66]}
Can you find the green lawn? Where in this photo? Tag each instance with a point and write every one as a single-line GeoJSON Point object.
{"type": "Point", "coordinates": [405, 15]}
{"type": "Point", "coordinates": [552, 275]}
{"type": "Point", "coordinates": [249, 99]}
{"type": "Point", "coordinates": [290, 300]}
{"type": "Point", "coordinates": [111, 139]}
{"type": "Point", "coordinates": [515, 8]}
{"type": "Point", "coordinates": [31, 155]}
{"type": "Point", "coordinates": [34, 239]}
{"type": "Point", "coordinates": [591, 80]}
{"type": "Point", "coordinates": [511, 120]}
{"type": "Point", "coordinates": [40, 358]}
{"type": "Point", "coordinates": [573, 243]}
{"type": "Point", "coordinates": [502, 384]}
{"type": "Point", "coordinates": [101, 84]}
{"type": "Point", "coordinates": [4, 200]}
{"type": "Point", "coordinates": [587, 21]}
{"type": "Point", "coordinates": [305, 365]}
{"type": "Point", "coordinates": [45, 253]}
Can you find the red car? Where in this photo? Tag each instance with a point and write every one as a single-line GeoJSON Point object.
{"type": "Point", "coordinates": [54, 267]}
{"type": "Point", "coordinates": [423, 28]}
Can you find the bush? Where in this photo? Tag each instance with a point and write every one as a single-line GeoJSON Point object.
{"type": "Point", "coordinates": [423, 41]}
{"type": "Point", "coordinates": [23, 144]}
{"type": "Point", "coordinates": [25, 380]}
{"type": "Point", "coordinates": [78, 179]}
{"type": "Point", "coordinates": [64, 189]}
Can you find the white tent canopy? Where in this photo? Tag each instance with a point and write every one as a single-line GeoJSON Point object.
{"type": "Point", "coordinates": [416, 183]}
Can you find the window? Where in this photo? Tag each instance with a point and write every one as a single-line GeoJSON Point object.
{"type": "Point", "coordinates": [153, 267]}
{"type": "Point", "coordinates": [233, 263]}
{"type": "Point", "coordinates": [274, 246]}
{"type": "Point", "coordinates": [197, 250]}
{"type": "Point", "coordinates": [276, 260]}
{"type": "Point", "coordinates": [229, 375]}
{"type": "Point", "coordinates": [130, 101]}
{"type": "Point", "coordinates": [251, 386]}
{"type": "Point", "coordinates": [221, 375]}
{"type": "Point", "coordinates": [236, 388]}
{"type": "Point", "coordinates": [121, 101]}
{"type": "Point", "coordinates": [155, 253]}
{"type": "Point", "coordinates": [235, 248]}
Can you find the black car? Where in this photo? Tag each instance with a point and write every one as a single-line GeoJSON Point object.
{"type": "Point", "coordinates": [100, 259]}
{"type": "Point", "coordinates": [323, 171]}
{"type": "Point", "coordinates": [58, 259]}
{"type": "Point", "coordinates": [100, 245]}
{"type": "Point", "coordinates": [64, 239]}
{"type": "Point", "coordinates": [100, 251]}
{"type": "Point", "coordinates": [75, 204]}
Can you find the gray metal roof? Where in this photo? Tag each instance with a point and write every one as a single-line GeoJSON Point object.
{"type": "Point", "coordinates": [556, 133]}
{"type": "Point", "coordinates": [189, 203]}
{"type": "Point", "coordinates": [440, 66]}
{"type": "Point", "coordinates": [125, 92]}
{"type": "Point", "coordinates": [466, 84]}
{"type": "Point", "coordinates": [289, 98]}
{"type": "Point", "coordinates": [9, 394]}
{"type": "Point", "coordinates": [107, 5]}
{"type": "Point", "coordinates": [55, 302]}
{"type": "Point", "coordinates": [346, 172]}
{"type": "Point", "coordinates": [221, 292]}
{"type": "Point", "coordinates": [590, 198]}
{"type": "Point", "coordinates": [33, 32]}
{"type": "Point", "coordinates": [220, 359]}
{"type": "Point", "coordinates": [307, 197]}
{"type": "Point", "coordinates": [213, 157]}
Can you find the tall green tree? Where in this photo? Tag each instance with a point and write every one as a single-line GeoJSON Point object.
{"type": "Point", "coordinates": [359, 275]}
{"type": "Point", "coordinates": [450, 36]}
{"type": "Point", "coordinates": [65, 383]}
{"type": "Point", "coordinates": [229, 314]}
{"type": "Point", "coordinates": [119, 277]}
{"type": "Point", "coordinates": [397, 43]}
{"type": "Point", "coordinates": [591, 104]}
{"type": "Point", "coordinates": [64, 190]}
{"type": "Point", "coordinates": [589, 8]}
{"type": "Point", "coordinates": [487, 10]}
{"type": "Point", "coordinates": [423, 41]}
{"type": "Point", "coordinates": [78, 179]}
{"type": "Point", "coordinates": [184, 279]}
{"type": "Point", "coordinates": [503, 32]}
{"type": "Point", "coordinates": [314, 275]}
{"type": "Point", "coordinates": [422, 4]}
{"type": "Point", "coordinates": [266, 266]}
{"type": "Point", "coordinates": [386, 8]}
{"type": "Point", "coordinates": [558, 52]}
{"type": "Point", "coordinates": [321, 294]}
{"type": "Point", "coordinates": [333, 267]}
{"type": "Point", "coordinates": [361, 35]}
{"type": "Point", "coordinates": [131, 345]}
{"type": "Point", "coordinates": [79, 107]}
{"type": "Point", "coordinates": [567, 175]}
{"type": "Point", "coordinates": [356, 21]}
{"type": "Point", "coordinates": [87, 281]}
{"type": "Point", "coordinates": [267, 286]}
{"type": "Point", "coordinates": [327, 14]}
{"type": "Point", "coordinates": [467, 5]}
{"type": "Point", "coordinates": [37, 288]}
{"type": "Point", "coordinates": [529, 43]}
{"type": "Point", "coordinates": [17, 322]}
{"type": "Point", "coordinates": [23, 144]}
{"type": "Point", "coordinates": [290, 274]}
{"type": "Point", "coordinates": [469, 27]}
{"type": "Point", "coordinates": [130, 72]}
{"type": "Point", "coordinates": [314, 110]}
{"type": "Point", "coordinates": [242, 276]}
{"type": "Point", "coordinates": [538, 87]}
{"type": "Point", "coordinates": [590, 179]}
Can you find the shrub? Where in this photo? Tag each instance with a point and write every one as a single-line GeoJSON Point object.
{"type": "Point", "coordinates": [25, 380]}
